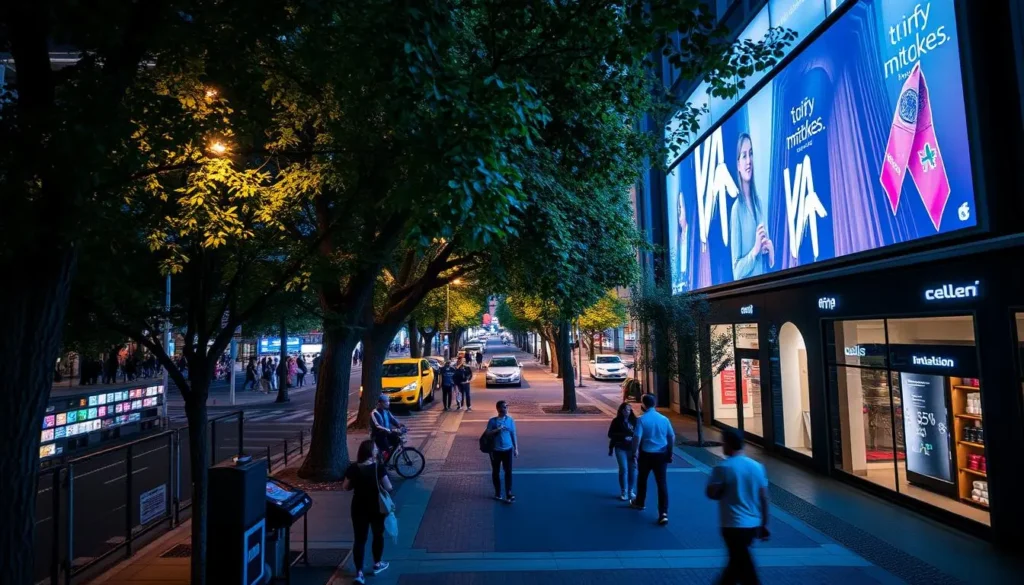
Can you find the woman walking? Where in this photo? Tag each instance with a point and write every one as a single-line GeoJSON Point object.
{"type": "Point", "coordinates": [366, 479]}
{"type": "Point", "coordinates": [620, 442]}
{"type": "Point", "coordinates": [463, 376]}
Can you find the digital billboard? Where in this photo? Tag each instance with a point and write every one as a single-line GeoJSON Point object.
{"type": "Point", "coordinates": [860, 142]}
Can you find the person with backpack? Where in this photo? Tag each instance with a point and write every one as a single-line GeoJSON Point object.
{"type": "Point", "coordinates": [463, 376]}
{"type": "Point", "coordinates": [447, 384]}
{"type": "Point", "coordinates": [500, 440]}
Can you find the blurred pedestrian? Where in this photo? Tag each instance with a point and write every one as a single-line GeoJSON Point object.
{"type": "Point", "coordinates": [463, 376]}
{"type": "Point", "coordinates": [654, 439]}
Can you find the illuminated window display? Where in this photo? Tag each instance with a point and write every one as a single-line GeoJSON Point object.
{"type": "Point", "coordinates": [908, 400]}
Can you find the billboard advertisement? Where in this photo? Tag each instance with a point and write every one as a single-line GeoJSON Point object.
{"type": "Point", "coordinates": [857, 144]}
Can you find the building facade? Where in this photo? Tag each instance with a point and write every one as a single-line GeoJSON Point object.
{"type": "Point", "coordinates": [873, 320]}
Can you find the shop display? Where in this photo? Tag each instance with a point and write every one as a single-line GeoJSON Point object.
{"type": "Point", "coordinates": [970, 446]}
{"type": "Point", "coordinates": [927, 427]}
{"type": "Point", "coordinates": [81, 415]}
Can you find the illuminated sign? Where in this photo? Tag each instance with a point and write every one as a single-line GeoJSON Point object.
{"type": "Point", "coordinates": [747, 310]}
{"type": "Point", "coordinates": [855, 351]}
{"type": "Point", "coordinates": [827, 303]}
{"type": "Point", "coordinates": [932, 361]}
{"type": "Point", "coordinates": [949, 291]}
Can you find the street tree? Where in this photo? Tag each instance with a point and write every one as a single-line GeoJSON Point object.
{"type": "Point", "coordinates": [73, 140]}
{"type": "Point", "coordinates": [673, 330]}
{"type": "Point", "coordinates": [292, 311]}
{"type": "Point", "coordinates": [607, 313]}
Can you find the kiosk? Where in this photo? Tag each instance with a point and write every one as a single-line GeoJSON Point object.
{"type": "Point", "coordinates": [285, 504]}
{"type": "Point", "coordinates": [237, 529]}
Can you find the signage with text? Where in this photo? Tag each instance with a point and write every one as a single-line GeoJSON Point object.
{"type": "Point", "coordinates": [827, 303]}
{"type": "Point", "coordinates": [949, 360]}
{"type": "Point", "coordinates": [926, 425]}
{"type": "Point", "coordinates": [952, 291]}
{"type": "Point", "coordinates": [857, 144]}
{"type": "Point", "coordinates": [273, 345]}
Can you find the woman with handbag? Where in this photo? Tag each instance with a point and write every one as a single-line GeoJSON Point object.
{"type": "Point", "coordinates": [370, 486]}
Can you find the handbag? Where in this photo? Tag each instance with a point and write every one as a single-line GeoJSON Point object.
{"type": "Point", "coordinates": [384, 501]}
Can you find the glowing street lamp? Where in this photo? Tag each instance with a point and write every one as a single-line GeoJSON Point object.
{"type": "Point", "coordinates": [217, 147]}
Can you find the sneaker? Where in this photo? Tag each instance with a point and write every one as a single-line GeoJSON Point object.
{"type": "Point", "coordinates": [459, 407]}
{"type": "Point", "coordinates": [635, 506]}
{"type": "Point", "coordinates": [663, 519]}
{"type": "Point", "coordinates": [468, 409]}
{"type": "Point", "coordinates": [359, 578]}
{"type": "Point", "coordinates": [499, 498]}
{"type": "Point", "coordinates": [624, 497]}
{"type": "Point", "coordinates": [510, 498]}
{"type": "Point", "coordinates": [380, 567]}
{"type": "Point", "coordinates": [632, 496]}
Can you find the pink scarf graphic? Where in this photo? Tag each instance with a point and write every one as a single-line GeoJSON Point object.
{"type": "Point", "coordinates": [912, 144]}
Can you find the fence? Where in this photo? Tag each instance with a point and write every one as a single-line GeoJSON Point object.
{"type": "Point", "coordinates": [97, 505]}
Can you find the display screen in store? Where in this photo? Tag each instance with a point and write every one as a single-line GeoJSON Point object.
{"type": "Point", "coordinates": [926, 425]}
{"type": "Point", "coordinates": [857, 144]}
{"type": "Point", "coordinates": [93, 413]}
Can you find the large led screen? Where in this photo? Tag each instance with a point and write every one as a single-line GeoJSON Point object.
{"type": "Point", "coordinates": [859, 143]}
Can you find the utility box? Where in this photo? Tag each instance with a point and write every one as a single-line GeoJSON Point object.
{"type": "Point", "coordinates": [236, 542]}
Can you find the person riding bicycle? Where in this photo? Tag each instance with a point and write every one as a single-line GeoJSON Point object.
{"type": "Point", "coordinates": [386, 430]}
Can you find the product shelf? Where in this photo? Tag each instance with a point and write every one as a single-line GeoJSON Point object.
{"type": "Point", "coordinates": [968, 416]}
{"type": "Point", "coordinates": [970, 444]}
{"type": "Point", "coordinates": [974, 472]}
{"type": "Point", "coordinates": [971, 501]}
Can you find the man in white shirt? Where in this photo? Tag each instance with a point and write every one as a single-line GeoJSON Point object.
{"type": "Point", "coordinates": [653, 439]}
{"type": "Point", "coordinates": [741, 487]}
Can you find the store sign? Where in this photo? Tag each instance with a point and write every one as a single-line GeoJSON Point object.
{"type": "Point", "coordinates": [827, 303]}
{"type": "Point", "coordinates": [952, 291]}
{"type": "Point", "coordinates": [932, 361]}
{"type": "Point", "coordinates": [927, 425]}
{"type": "Point", "coordinates": [780, 184]}
{"type": "Point", "coordinates": [273, 345]}
{"type": "Point", "coordinates": [747, 310]}
{"type": "Point", "coordinates": [855, 351]}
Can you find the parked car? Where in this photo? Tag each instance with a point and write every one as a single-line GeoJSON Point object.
{"type": "Point", "coordinates": [607, 367]}
{"type": "Point", "coordinates": [504, 370]}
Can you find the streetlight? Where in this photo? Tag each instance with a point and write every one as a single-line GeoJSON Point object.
{"type": "Point", "coordinates": [447, 312]}
{"type": "Point", "coordinates": [217, 147]}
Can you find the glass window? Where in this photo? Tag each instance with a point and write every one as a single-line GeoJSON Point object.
{"type": "Point", "coordinates": [750, 381]}
{"type": "Point", "coordinates": [723, 384]}
{"type": "Point", "coordinates": [909, 427]}
{"type": "Point", "coordinates": [793, 424]}
{"type": "Point", "coordinates": [746, 335]}
{"type": "Point", "coordinates": [860, 343]}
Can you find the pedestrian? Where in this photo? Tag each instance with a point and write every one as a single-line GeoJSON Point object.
{"type": "Point", "coordinates": [447, 384]}
{"type": "Point", "coordinates": [250, 374]}
{"type": "Point", "coordinates": [355, 357]}
{"type": "Point", "coordinates": [505, 446]}
{"type": "Point", "coordinates": [463, 376]}
{"type": "Point", "coordinates": [620, 443]}
{"type": "Point", "coordinates": [479, 360]}
{"type": "Point", "coordinates": [366, 480]}
{"type": "Point", "coordinates": [654, 439]}
{"type": "Point", "coordinates": [316, 367]}
{"type": "Point", "coordinates": [267, 376]}
{"type": "Point", "coordinates": [469, 356]}
{"type": "Point", "coordinates": [300, 362]}
{"type": "Point", "coordinates": [293, 372]}
{"type": "Point", "coordinates": [740, 486]}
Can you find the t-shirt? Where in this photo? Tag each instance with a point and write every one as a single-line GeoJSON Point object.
{"type": "Point", "coordinates": [743, 478]}
{"type": "Point", "coordinates": [506, 439]}
{"type": "Point", "coordinates": [653, 430]}
{"type": "Point", "coordinates": [365, 500]}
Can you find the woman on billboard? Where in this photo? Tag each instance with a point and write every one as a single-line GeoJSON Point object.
{"type": "Point", "coordinates": [752, 250]}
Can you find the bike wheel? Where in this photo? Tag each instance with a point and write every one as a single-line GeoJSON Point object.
{"type": "Point", "coordinates": [408, 462]}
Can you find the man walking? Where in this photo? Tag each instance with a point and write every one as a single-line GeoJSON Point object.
{"type": "Point", "coordinates": [653, 439]}
{"type": "Point", "coordinates": [741, 487]}
{"type": "Point", "coordinates": [503, 430]}
{"type": "Point", "coordinates": [447, 383]}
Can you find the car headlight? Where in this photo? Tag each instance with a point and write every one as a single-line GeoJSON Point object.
{"type": "Point", "coordinates": [491, 376]}
{"type": "Point", "coordinates": [409, 386]}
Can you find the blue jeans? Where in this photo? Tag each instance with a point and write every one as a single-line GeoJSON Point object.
{"type": "Point", "coordinates": [626, 465]}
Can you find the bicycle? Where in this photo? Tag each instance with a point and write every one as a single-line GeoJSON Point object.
{"type": "Point", "coordinates": [407, 462]}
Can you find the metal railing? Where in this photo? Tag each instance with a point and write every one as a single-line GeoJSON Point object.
{"type": "Point", "coordinates": [92, 507]}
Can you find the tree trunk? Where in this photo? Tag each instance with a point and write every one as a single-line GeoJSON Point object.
{"type": "Point", "coordinates": [428, 340]}
{"type": "Point", "coordinates": [414, 339]}
{"type": "Point", "coordinates": [455, 340]}
{"type": "Point", "coordinates": [32, 316]}
{"type": "Point", "coordinates": [199, 461]}
{"type": "Point", "coordinates": [282, 369]}
{"type": "Point", "coordinates": [592, 341]}
{"type": "Point", "coordinates": [328, 456]}
{"type": "Point", "coordinates": [545, 351]}
{"type": "Point", "coordinates": [375, 342]}
{"type": "Point", "coordinates": [564, 353]}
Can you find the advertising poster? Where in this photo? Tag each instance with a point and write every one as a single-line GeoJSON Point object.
{"type": "Point", "coordinates": [926, 425]}
{"type": "Point", "coordinates": [729, 386]}
{"type": "Point", "coordinates": [859, 143]}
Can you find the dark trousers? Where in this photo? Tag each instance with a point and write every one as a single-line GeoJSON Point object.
{"type": "Point", "coordinates": [250, 384]}
{"type": "Point", "coordinates": [446, 396]}
{"type": "Point", "coordinates": [501, 459]}
{"type": "Point", "coordinates": [362, 524]}
{"type": "Point", "coordinates": [301, 378]}
{"type": "Point", "coordinates": [658, 463]}
{"type": "Point", "coordinates": [464, 388]}
{"type": "Point", "coordinates": [741, 565]}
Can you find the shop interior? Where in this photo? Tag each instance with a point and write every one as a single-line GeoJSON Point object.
{"type": "Point", "coordinates": [733, 340]}
{"type": "Point", "coordinates": [878, 406]}
{"type": "Point", "coordinates": [796, 406]}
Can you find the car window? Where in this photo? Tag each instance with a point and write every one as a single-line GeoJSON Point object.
{"type": "Point", "coordinates": [504, 363]}
{"type": "Point", "coordinates": [424, 365]}
{"type": "Point", "coordinates": [399, 371]}
{"type": "Point", "coordinates": [608, 359]}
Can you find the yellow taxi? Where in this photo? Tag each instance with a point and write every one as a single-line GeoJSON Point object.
{"type": "Point", "coordinates": [408, 381]}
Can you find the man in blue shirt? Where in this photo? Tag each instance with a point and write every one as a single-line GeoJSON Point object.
{"type": "Point", "coordinates": [653, 440]}
{"type": "Point", "coordinates": [741, 487]}
{"type": "Point", "coordinates": [385, 428]}
{"type": "Point", "coordinates": [503, 429]}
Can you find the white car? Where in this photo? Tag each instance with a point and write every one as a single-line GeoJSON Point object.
{"type": "Point", "coordinates": [504, 370]}
{"type": "Point", "coordinates": [608, 367]}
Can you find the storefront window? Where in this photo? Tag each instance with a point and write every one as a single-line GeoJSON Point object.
{"type": "Point", "coordinates": [908, 401]}
{"type": "Point", "coordinates": [723, 385]}
{"type": "Point", "coordinates": [795, 431]}
{"type": "Point", "coordinates": [746, 335]}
